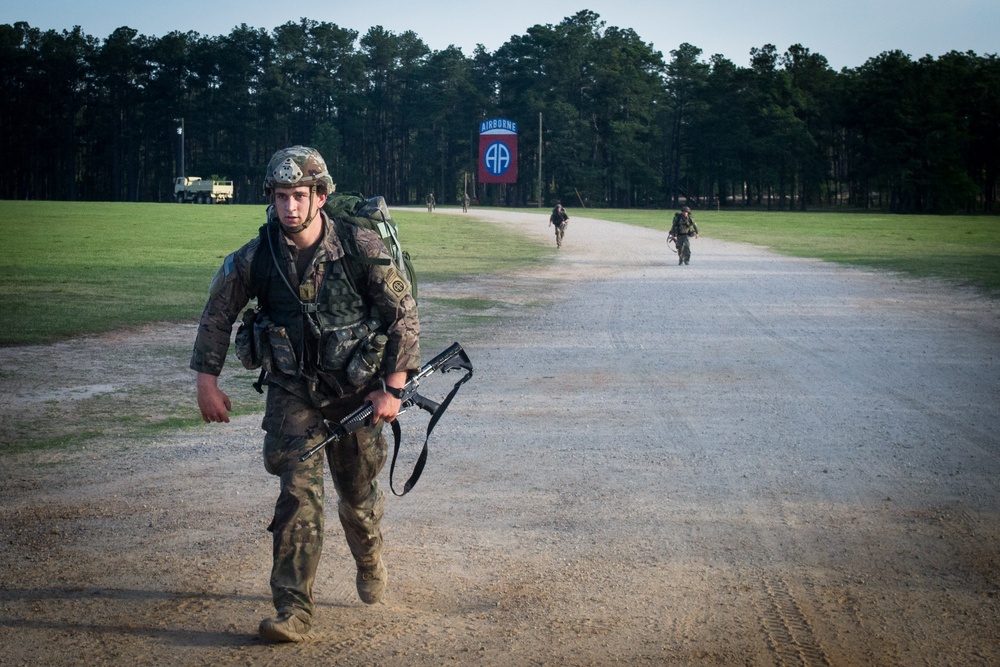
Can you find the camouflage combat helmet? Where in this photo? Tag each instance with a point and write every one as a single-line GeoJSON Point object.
{"type": "Point", "coordinates": [297, 166]}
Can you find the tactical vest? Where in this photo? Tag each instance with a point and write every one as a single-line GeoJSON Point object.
{"type": "Point", "coordinates": [305, 338]}
{"type": "Point", "coordinates": [684, 227]}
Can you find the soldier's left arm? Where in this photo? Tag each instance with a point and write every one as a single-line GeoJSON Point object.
{"type": "Point", "coordinates": [389, 293]}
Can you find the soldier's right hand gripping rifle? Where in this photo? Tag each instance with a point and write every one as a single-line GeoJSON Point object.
{"type": "Point", "coordinates": [672, 242]}
{"type": "Point", "coordinates": [451, 359]}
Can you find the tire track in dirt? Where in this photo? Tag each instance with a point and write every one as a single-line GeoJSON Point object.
{"type": "Point", "coordinates": [785, 626]}
{"type": "Point", "coordinates": [789, 632]}
{"type": "Point", "coordinates": [787, 629]}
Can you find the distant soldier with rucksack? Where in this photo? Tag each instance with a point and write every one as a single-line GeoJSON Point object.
{"type": "Point", "coordinates": [681, 231]}
{"type": "Point", "coordinates": [559, 219]}
{"type": "Point", "coordinates": [335, 326]}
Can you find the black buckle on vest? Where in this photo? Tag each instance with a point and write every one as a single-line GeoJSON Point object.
{"type": "Point", "coordinates": [309, 307]}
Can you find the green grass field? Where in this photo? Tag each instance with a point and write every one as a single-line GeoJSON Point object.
{"type": "Point", "coordinates": [85, 268]}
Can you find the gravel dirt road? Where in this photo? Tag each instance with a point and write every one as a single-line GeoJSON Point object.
{"type": "Point", "coordinates": [750, 460]}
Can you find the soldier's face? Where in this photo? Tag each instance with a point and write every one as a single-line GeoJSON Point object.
{"type": "Point", "coordinates": [295, 206]}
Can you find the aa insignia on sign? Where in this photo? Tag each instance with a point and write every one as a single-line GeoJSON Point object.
{"type": "Point", "coordinates": [498, 151]}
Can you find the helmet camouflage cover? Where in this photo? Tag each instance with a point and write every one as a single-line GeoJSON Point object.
{"type": "Point", "coordinates": [297, 166]}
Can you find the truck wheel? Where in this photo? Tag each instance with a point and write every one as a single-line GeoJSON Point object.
{"type": "Point", "coordinates": [179, 198]}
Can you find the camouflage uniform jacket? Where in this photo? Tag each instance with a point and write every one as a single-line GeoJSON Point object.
{"type": "Point", "coordinates": [383, 289]}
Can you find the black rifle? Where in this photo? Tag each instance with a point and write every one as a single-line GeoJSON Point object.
{"type": "Point", "coordinates": [451, 359]}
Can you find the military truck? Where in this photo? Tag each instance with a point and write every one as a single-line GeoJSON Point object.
{"type": "Point", "coordinates": [191, 189]}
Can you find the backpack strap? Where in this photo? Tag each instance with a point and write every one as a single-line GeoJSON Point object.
{"type": "Point", "coordinates": [260, 266]}
{"type": "Point", "coordinates": [347, 233]}
{"type": "Point", "coordinates": [260, 273]}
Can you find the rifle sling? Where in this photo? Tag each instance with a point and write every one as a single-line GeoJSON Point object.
{"type": "Point", "coordinates": [418, 468]}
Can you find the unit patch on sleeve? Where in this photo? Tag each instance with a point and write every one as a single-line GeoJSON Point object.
{"type": "Point", "coordinates": [395, 282]}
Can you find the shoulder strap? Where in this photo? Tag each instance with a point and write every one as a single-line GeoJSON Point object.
{"type": "Point", "coordinates": [348, 234]}
{"type": "Point", "coordinates": [260, 273]}
{"type": "Point", "coordinates": [264, 260]}
{"type": "Point", "coordinates": [260, 266]}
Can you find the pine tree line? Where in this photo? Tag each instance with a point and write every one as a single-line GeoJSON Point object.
{"type": "Point", "coordinates": [83, 118]}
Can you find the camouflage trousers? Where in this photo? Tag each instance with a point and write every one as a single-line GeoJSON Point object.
{"type": "Point", "coordinates": [560, 233]}
{"type": "Point", "coordinates": [683, 249]}
{"type": "Point", "coordinates": [293, 426]}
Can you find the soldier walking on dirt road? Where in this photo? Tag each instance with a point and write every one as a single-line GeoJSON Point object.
{"type": "Point", "coordinates": [318, 310]}
{"type": "Point", "coordinates": [560, 219]}
{"type": "Point", "coordinates": [682, 230]}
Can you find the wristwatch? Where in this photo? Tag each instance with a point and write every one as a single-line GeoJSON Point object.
{"type": "Point", "coordinates": [393, 391]}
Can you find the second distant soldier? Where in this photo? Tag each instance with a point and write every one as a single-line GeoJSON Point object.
{"type": "Point", "coordinates": [559, 218]}
{"type": "Point", "coordinates": [682, 230]}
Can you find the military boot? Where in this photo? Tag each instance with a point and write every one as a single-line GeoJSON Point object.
{"type": "Point", "coordinates": [285, 627]}
{"type": "Point", "coordinates": [372, 580]}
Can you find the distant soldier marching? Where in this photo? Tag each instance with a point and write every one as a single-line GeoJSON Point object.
{"type": "Point", "coordinates": [559, 219]}
{"type": "Point", "coordinates": [681, 232]}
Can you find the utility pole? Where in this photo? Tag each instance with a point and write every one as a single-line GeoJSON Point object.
{"type": "Point", "coordinates": [539, 159]}
{"type": "Point", "coordinates": [180, 131]}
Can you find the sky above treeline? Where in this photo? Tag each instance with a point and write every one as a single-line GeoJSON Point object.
{"type": "Point", "coordinates": [847, 33]}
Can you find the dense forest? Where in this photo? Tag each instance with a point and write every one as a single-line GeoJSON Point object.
{"type": "Point", "coordinates": [621, 125]}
